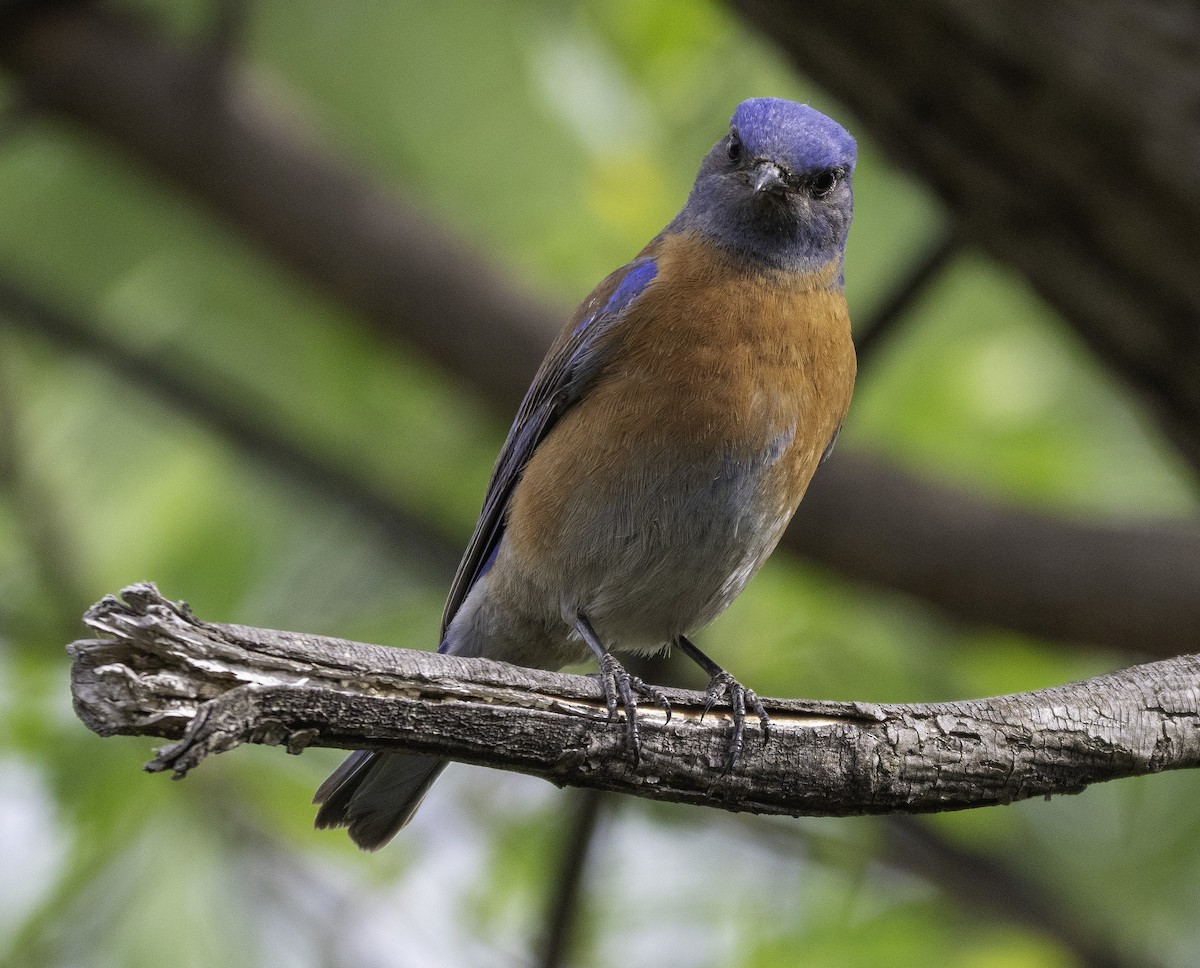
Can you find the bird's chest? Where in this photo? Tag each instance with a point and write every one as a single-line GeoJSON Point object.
{"type": "Point", "coordinates": [745, 380]}
{"type": "Point", "coordinates": [661, 492]}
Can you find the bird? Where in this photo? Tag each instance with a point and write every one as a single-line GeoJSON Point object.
{"type": "Point", "coordinates": [663, 446]}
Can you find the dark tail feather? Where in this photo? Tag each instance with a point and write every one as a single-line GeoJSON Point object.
{"type": "Point", "coordinates": [375, 794]}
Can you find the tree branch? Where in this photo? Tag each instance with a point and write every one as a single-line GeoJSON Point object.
{"type": "Point", "coordinates": [380, 256]}
{"type": "Point", "coordinates": [980, 886]}
{"type": "Point", "coordinates": [566, 888]}
{"type": "Point", "coordinates": [241, 419]}
{"type": "Point", "coordinates": [1046, 132]}
{"type": "Point", "coordinates": [165, 673]}
{"type": "Point", "coordinates": [266, 173]}
{"type": "Point", "coordinates": [1108, 582]}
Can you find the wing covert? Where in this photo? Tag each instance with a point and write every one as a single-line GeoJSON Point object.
{"type": "Point", "coordinates": [577, 356]}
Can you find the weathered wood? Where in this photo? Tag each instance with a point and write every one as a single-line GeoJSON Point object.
{"type": "Point", "coordinates": [162, 672]}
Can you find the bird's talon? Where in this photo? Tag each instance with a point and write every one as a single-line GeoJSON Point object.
{"type": "Point", "coordinates": [608, 682]}
{"type": "Point", "coordinates": [718, 687]}
{"type": "Point", "coordinates": [666, 706]}
{"type": "Point", "coordinates": [763, 719]}
{"type": "Point", "coordinates": [723, 685]}
{"type": "Point", "coordinates": [735, 748]}
{"type": "Point", "coordinates": [622, 688]}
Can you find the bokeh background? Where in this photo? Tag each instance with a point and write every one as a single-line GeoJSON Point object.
{"type": "Point", "coordinates": [225, 367]}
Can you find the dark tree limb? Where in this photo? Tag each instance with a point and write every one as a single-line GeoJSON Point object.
{"type": "Point", "coordinates": [211, 686]}
{"type": "Point", "coordinates": [980, 886]}
{"type": "Point", "coordinates": [40, 519]}
{"type": "Point", "coordinates": [1110, 582]}
{"type": "Point", "coordinates": [984, 885]}
{"type": "Point", "coordinates": [1122, 585]}
{"type": "Point", "coordinates": [884, 319]}
{"type": "Point", "coordinates": [566, 887]}
{"type": "Point", "coordinates": [272, 180]}
{"type": "Point", "coordinates": [239, 418]}
{"type": "Point", "coordinates": [1064, 140]}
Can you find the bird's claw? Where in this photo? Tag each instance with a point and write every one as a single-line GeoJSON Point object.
{"type": "Point", "coordinates": [623, 688]}
{"type": "Point", "coordinates": [723, 684]}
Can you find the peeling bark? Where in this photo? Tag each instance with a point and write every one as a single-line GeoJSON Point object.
{"type": "Point", "coordinates": [163, 672]}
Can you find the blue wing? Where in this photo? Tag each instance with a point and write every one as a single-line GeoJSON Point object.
{"type": "Point", "coordinates": [578, 355]}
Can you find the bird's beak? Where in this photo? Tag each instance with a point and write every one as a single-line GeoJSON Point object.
{"type": "Point", "coordinates": [767, 177]}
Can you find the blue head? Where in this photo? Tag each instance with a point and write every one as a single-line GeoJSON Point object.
{"type": "Point", "coordinates": [777, 189]}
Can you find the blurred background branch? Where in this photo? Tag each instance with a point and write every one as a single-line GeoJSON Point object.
{"type": "Point", "coordinates": [1033, 130]}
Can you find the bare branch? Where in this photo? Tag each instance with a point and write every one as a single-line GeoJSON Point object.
{"type": "Point", "coordinates": [1124, 584]}
{"type": "Point", "coordinates": [165, 673]}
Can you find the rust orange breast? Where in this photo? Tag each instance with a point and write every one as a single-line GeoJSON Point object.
{"type": "Point", "coordinates": [724, 357]}
{"type": "Point", "coordinates": [715, 363]}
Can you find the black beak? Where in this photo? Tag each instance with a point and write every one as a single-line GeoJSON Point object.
{"type": "Point", "coordinates": [767, 177]}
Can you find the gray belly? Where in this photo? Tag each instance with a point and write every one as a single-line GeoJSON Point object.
{"type": "Point", "coordinates": [647, 558]}
{"type": "Point", "coordinates": [671, 551]}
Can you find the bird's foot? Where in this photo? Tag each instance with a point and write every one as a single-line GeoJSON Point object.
{"type": "Point", "coordinates": [724, 685]}
{"type": "Point", "coordinates": [621, 688]}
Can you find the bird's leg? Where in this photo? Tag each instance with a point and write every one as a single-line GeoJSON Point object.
{"type": "Point", "coordinates": [620, 686]}
{"type": "Point", "coordinates": [723, 684]}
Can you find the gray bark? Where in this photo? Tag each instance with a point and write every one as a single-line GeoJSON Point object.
{"type": "Point", "coordinates": [163, 672]}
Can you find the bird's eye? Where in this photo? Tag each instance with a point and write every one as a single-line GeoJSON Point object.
{"type": "Point", "coordinates": [824, 182]}
{"type": "Point", "coordinates": [735, 147]}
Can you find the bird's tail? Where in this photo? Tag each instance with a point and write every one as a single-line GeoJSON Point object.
{"type": "Point", "coordinates": [375, 794]}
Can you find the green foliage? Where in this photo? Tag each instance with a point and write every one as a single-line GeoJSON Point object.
{"type": "Point", "coordinates": [559, 139]}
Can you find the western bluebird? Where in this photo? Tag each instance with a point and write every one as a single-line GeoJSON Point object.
{"type": "Point", "coordinates": [664, 445]}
